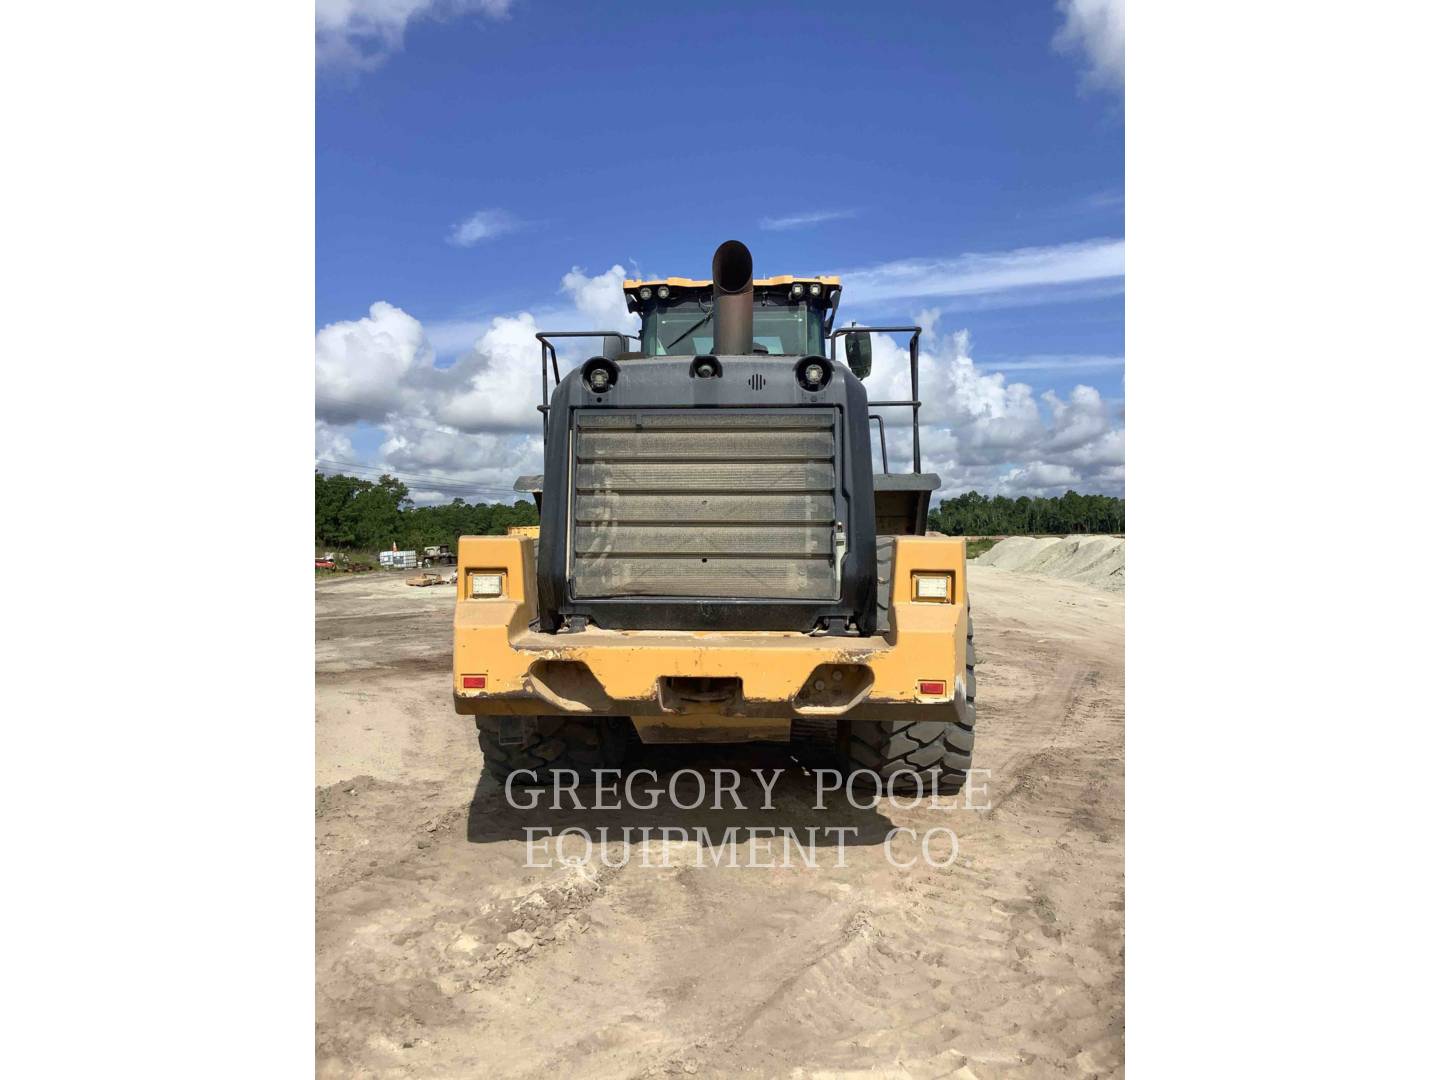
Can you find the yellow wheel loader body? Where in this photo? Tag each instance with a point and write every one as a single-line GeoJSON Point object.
{"type": "Point", "coordinates": [700, 685]}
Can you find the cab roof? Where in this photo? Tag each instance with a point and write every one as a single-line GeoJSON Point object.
{"type": "Point", "coordinates": [829, 287]}
{"type": "Point", "coordinates": [692, 283]}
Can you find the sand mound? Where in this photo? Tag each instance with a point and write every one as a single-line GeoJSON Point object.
{"type": "Point", "coordinates": [1015, 552]}
{"type": "Point", "coordinates": [1089, 560]}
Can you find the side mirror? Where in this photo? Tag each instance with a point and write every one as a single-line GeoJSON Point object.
{"type": "Point", "coordinates": [857, 354]}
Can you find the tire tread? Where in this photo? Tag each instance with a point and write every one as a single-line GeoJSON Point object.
{"type": "Point", "coordinates": [888, 747]}
{"type": "Point", "coordinates": [552, 743]}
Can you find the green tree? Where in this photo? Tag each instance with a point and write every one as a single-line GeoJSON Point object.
{"type": "Point", "coordinates": [371, 515]}
{"type": "Point", "coordinates": [973, 514]}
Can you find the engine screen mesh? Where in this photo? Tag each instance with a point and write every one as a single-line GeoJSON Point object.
{"type": "Point", "coordinates": [723, 504]}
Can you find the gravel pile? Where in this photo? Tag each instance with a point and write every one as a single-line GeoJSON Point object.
{"type": "Point", "coordinates": [1089, 560]}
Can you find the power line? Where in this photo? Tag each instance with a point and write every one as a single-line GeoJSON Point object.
{"type": "Point", "coordinates": [470, 495]}
{"type": "Point", "coordinates": [407, 472]}
{"type": "Point", "coordinates": [468, 491]}
{"type": "Point", "coordinates": [390, 417]}
{"type": "Point", "coordinates": [454, 483]}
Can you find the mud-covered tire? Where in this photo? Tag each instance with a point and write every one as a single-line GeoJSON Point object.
{"type": "Point", "coordinates": [549, 743]}
{"type": "Point", "coordinates": [939, 751]}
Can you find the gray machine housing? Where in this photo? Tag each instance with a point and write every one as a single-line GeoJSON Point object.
{"type": "Point", "coordinates": [735, 387]}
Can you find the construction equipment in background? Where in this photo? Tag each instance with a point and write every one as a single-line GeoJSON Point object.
{"type": "Point", "coordinates": [438, 555]}
{"type": "Point", "coordinates": [718, 560]}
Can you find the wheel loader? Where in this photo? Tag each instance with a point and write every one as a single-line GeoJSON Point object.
{"type": "Point", "coordinates": [718, 559]}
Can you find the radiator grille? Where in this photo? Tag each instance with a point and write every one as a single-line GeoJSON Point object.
{"type": "Point", "coordinates": [700, 505]}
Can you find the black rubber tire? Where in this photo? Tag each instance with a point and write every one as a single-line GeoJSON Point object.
{"type": "Point", "coordinates": [884, 571]}
{"type": "Point", "coordinates": [554, 742]}
{"type": "Point", "coordinates": [940, 751]}
{"type": "Point", "coordinates": [969, 667]}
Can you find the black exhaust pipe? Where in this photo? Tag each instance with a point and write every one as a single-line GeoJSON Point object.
{"type": "Point", "coordinates": [733, 272]}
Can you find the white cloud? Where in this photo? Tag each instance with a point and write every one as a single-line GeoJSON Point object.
{"type": "Point", "coordinates": [600, 300]}
{"type": "Point", "coordinates": [331, 443]}
{"type": "Point", "coordinates": [1066, 363]}
{"type": "Point", "coordinates": [473, 466]}
{"type": "Point", "coordinates": [363, 369]}
{"type": "Point", "coordinates": [360, 35]}
{"type": "Point", "coordinates": [805, 220]}
{"type": "Point", "coordinates": [471, 428]}
{"type": "Point", "coordinates": [496, 385]}
{"type": "Point", "coordinates": [1097, 29]}
{"type": "Point", "coordinates": [465, 431]}
{"type": "Point", "coordinates": [595, 303]}
{"type": "Point", "coordinates": [978, 274]}
{"type": "Point", "coordinates": [981, 431]}
{"type": "Point", "coordinates": [481, 225]}
{"type": "Point", "coordinates": [473, 425]}
{"type": "Point", "coordinates": [453, 336]}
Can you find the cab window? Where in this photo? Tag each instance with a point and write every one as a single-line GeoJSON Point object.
{"type": "Point", "coordinates": [686, 329]}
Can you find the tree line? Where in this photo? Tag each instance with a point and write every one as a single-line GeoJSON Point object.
{"type": "Point", "coordinates": [973, 514]}
{"type": "Point", "coordinates": [370, 515]}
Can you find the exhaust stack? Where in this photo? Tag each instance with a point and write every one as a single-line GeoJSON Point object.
{"type": "Point", "coordinates": [732, 271]}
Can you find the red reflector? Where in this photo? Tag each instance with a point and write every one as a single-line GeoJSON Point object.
{"type": "Point", "coordinates": [931, 687]}
{"type": "Point", "coordinates": [472, 682]}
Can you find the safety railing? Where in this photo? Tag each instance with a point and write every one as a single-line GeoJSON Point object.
{"type": "Point", "coordinates": [884, 457]}
{"type": "Point", "coordinates": [548, 353]}
{"type": "Point", "coordinates": [914, 403]}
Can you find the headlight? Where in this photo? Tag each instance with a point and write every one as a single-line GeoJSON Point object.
{"type": "Point", "coordinates": [932, 588]}
{"type": "Point", "coordinates": [599, 374]}
{"type": "Point", "coordinates": [663, 292]}
{"type": "Point", "coordinates": [815, 289]}
{"type": "Point", "coordinates": [645, 293]}
{"type": "Point", "coordinates": [814, 374]}
{"type": "Point", "coordinates": [486, 585]}
{"type": "Point", "coordinates": [797, 289]}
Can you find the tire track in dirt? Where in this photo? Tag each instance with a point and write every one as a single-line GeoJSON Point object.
{"type": "Point", "coordinates": [1008, 960]}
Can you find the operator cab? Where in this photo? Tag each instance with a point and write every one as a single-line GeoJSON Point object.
{"type": "Point", "coordinates": [793, 315]}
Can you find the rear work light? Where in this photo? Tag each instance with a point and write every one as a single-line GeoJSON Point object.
{"type": "Point", "coordinates": [486, 585]}
{"type": "Point", "coordinates": [472, 682]}
{"type": "Point", "coordinates": [932, 588]}
{"type": "Point", "coordinates": [932, 687]}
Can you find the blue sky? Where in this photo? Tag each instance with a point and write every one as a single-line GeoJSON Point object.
{"type": "Point", "coordinates": [483, 168]}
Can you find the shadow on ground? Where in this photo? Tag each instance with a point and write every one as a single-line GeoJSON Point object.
{"type": "Point", "coordinates": [681, 783]}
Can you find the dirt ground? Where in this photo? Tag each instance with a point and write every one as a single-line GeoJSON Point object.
{"type": "Point", "coordinates": [440, 954]}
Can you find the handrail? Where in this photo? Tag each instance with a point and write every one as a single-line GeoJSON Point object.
{"type": "Point", "coordinates": [914, 403]}
{"type": "Point", "coordinates": [884, 460]}
{"type": "Point", "coordinates": [547, 348]}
